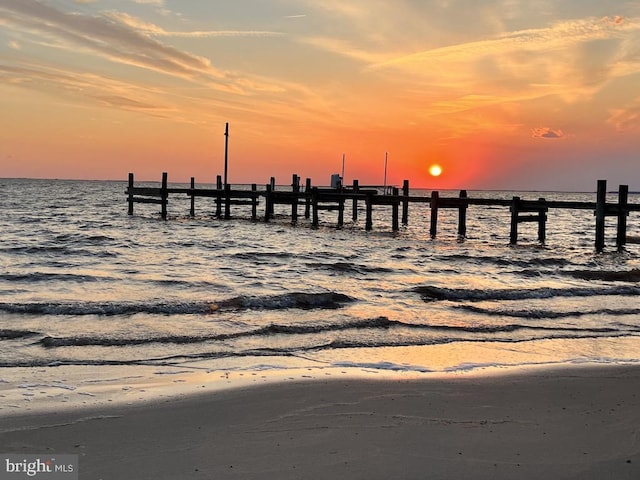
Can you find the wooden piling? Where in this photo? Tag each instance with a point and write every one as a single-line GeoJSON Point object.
{"type": "Point", "coordinates": [601, 211]}
{"type": "Point", "coordinates": [515, 212]}
{"type": "Point", "coordinates": [405, 202]}
{"type": "Point", "coordinates": [462, 214]}
{"type": "Point", "coordinates": [164, 196]}
{"type": "Point", "coordinates": [340, 212]}
{"type": "Point", "coordinates": [623, 211]}
{"type": "Point", "coordinates": [219, 197]}
{"type": "Point", "coordinates": [271, 204]}
{"type": "Point", "coordinates": [254, 202]}
{"type": "Point", "coordinates": [307, 201]}
{"type": "Point", "coordinates": [369, 209]}
{"type": "Point", "coordinates": [295, 187]}
{"type": "Point", "coordinates": [542, 221]}
{"type": "Point", "coordinates": [267, 203]}
{"type": "Point", "coordinates": [227, 201]}
{"type": "Point", "coordinates": [130, 194]}
{"type": "Point", "coordinates": [354, 214]}
{"type": "Point", "coordinates": [192, 211]}
{"type": "Point", "coordinates": [433, 228]}
{"type": "Point", "coordinates": [395, 206]}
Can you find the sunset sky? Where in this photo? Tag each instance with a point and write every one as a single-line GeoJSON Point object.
{"type": "Point", "coordinates": [504, 94]}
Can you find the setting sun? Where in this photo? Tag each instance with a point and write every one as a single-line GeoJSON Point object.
{"type": "Point", "coordinates": [435, 170]}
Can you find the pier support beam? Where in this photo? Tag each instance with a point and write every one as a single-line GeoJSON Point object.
{"type": "Point", "coordinates": [356, 188]}
{"type": "Point", "coordinates": [295, 188]}
{"type": "Point", "coordinates": [542, 222]}
{"type": "Point", "coordinates": [307, 201]}
{"type": "Point", "coordinates": [267, 203]}
{"type": "Point", "coordinates": [623, 211]}
{"type": "Point", "coordinates": [515, 212]}
{"type": "Point", "coordinates": [369, 209]}
{"type": "Point", "coordinates": [405, 202]}
{"type": "Point", "coordinates": [219, 196]}
{"type": "Point", "coordinates": [227, 201]}
{"type": "Point", "coordinates": [130, 194]}
{"type": "Point", "coordinates": [164, 196]}
{"type": "Point", "coordinates": [340, 212]}
{"type": "Point", "coordinates": [601, 213]}
{"type": "Point", "coordinates": [192, 210]}
{"type": "Point", "coordinates": [433, 229]}
{"type": "Point", "coordinates": [254, 202]}
{"type": "Point", "coordinates": [395, 206]}
{"type": "Point", "coordinates": [462, 214]}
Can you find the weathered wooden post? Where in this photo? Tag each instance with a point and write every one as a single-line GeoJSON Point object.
{"type": "Point", "coordinates": [462, 214]}
{"type": "Point", "coordinates": [164, 196]}
{"type": "Point", "coordinates": [623, 211]}
{"type": "Point", "coordinates": [405, 202]}
{"type": "Point", "coordinates": [395, 206]}
{"type": "Point", "coordinates": [271, 204]}
{"type": "Point", "coordinates": [356, 188]}
{"type": "Point", "coordinates": [369, 209]}
{"type": "Point", "coordinates": [267, 202]}
{"type": "Point", "coordinates": [130, 193]}
{"type": "Point", "coordinates": [515, 212]}
{"type": "Point", "coordinates": [295, 188]}
{"type": "Point", "coordinates": [192, 211]}
{"type": "Point", "coordinates": [307, 201]}
{"type": "Point", "coordinates": [218, 196]}
{"type": "Point", "coordinates": [542, 221]}
{"type": "Point", "coordinates": [433, 230]}
{"type": "Point", "coordinates": [601, 211]}
{"type": "Point", "coordinates": [227, 201]}
{"type": "Point", "coordinates": [254, 202]}
{"type": "Point", "coordinates": [314, 203]}
{"type": "Point", "coordinates": [340, 211]}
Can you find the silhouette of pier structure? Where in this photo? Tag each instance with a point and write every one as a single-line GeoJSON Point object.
{"type": "Point", "coordinates": [315, 199]}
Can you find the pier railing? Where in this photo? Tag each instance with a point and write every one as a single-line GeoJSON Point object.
{"type": "Point", "coordinates": [315, 199]}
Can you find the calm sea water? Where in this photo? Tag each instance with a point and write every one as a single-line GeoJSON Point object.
{"type": "Point", "coordinates": [82, 284]}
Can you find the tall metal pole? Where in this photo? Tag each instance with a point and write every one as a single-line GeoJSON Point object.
{"type": "Point", "coordinates": [226, 153]}
{"type": "Point", "coordinates": [342, 177]}
{"type": "Point", "coordinates": [386, 157]}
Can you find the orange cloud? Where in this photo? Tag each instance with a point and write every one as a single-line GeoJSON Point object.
{"type": "Point", "coordinates": [546, 132]}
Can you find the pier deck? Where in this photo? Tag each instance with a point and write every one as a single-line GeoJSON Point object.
{"type": "Point", "coordinates": [315, 199]}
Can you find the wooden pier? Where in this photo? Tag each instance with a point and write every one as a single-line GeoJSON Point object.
{"type": "Point", "coordinates": [315, 199]}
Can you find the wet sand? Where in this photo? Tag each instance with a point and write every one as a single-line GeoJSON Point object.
{"type": "Point", "coordinates": [574, 423]}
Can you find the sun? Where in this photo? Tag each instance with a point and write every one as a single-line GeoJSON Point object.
{"type": "Point", "coordinates": [435, 170]}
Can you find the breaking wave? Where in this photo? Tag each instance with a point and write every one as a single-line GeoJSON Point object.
{"type": "Point", "coordinates": [326, 300]}
{"type": "Point", "coordinates": [431, 293]}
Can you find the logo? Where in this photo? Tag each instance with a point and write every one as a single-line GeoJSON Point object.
{"type": "Point", "coordinates": [49, 467]}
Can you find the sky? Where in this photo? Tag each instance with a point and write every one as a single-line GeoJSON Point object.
{"type": "Point", "coordinates": [501, 94]}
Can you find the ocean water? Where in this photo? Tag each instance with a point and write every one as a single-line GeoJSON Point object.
{"type": "Point", "coordinates": [92, 298]}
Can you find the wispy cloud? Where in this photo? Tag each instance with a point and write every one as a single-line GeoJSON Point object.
{"type": "Point", "coordinates": [542, 40]}
{"type": "Point", "coordinates": [66, 85]}
{"type": "Point", "coordinates": [158, 3]}
{"type": "Point", "coordinates": [116, 41]}
{"type": "Point", "coordinates": [124, 39]}
{"type": "Point", "coordinates": [626, 119]}
{"type": "Point", "coordinates": [152, 29]}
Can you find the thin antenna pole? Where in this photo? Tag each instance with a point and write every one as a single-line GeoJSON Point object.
{"type": "Point", "coordinates": [226, 153]}
{"type": "Point", "coordinates": [386, 157]}
{"type": "Point", "coordinates": [342, 177]}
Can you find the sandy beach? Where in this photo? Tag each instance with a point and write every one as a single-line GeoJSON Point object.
{"type": "Point", "coordinates": [576, 423]}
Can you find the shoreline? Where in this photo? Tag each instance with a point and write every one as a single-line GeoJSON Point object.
{"type": "Point", "coordinates": [562, 422]}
